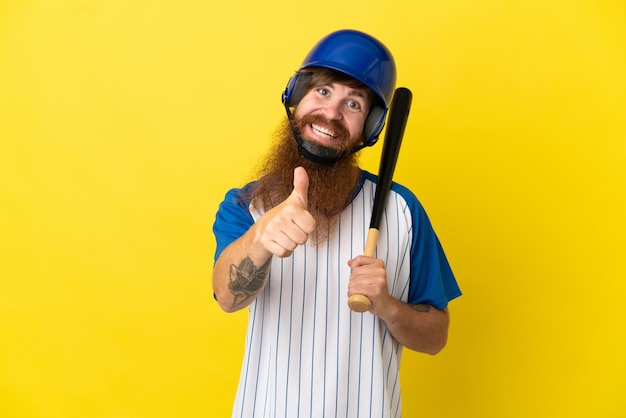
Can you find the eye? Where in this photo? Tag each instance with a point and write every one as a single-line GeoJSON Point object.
{"type": "Point", "coordinates": [353, 105]}
{"type": "Point", "coordinates": [323, 91]}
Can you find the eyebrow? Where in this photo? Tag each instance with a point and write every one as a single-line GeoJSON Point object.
{"type": "Point", "coordinates": [359, 93]}
{"type": "Point", "coordinates": [354, 91]}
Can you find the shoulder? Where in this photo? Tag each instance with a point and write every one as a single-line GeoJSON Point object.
{"type": "Point", "coordinates": [236, 204]}
{"type": "Point", "coordinates": [233, 217]}
{"type": "Point", "coordinates": [239, 196]}
{"type": "Point", "coordinates": [397, 191]}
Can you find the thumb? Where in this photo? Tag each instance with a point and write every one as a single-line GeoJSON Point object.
{"type": "Point", "coordinates": [301, 185]}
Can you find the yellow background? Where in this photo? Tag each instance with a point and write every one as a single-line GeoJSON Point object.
{"type": "Point", "coordinates": [122, 124]}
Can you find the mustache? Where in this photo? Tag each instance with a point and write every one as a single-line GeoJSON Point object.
{"type": "Point", "coordinates": [340, 131]}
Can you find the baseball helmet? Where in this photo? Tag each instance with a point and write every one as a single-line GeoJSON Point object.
{"type": "Point", "coordinates": [361, 57]}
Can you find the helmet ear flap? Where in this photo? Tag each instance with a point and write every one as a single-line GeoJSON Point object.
{"type": "Point", "coordinates": [296, 88]}
{"type": "Point", "coordinates": [374, 125]}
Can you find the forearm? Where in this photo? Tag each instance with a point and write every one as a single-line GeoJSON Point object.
{"type": "Point", "coordinates": [240, 274]}
{"type": "Point", "coordinates": [241, 271]}
{"type": "Point", "coordinates": [422, 328]}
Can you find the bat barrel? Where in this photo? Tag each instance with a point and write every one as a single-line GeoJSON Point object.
{"type": "Point", "coordinates": [398, 116]}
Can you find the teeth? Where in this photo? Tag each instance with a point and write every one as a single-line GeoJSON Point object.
{"type": "Point", "coordinates": [323, 131]}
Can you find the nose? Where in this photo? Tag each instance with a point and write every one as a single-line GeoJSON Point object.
{"type": "Point", "coordinates": [332, 110]}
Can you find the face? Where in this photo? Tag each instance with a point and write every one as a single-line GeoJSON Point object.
{"type": "Point", "coordinates": [333, 115]}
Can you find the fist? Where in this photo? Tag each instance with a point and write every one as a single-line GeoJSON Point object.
{"type": "Point", "coordinates": [369, 278]}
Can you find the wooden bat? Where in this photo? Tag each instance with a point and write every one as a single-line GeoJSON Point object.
{"type": "Point", "coordinates": [396, 122]}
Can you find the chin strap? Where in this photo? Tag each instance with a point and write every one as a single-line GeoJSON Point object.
{"type": "Point", "coordinates": [314, 152]}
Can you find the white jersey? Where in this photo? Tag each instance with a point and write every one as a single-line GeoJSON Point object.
{"type": "Point", "coordinates": [307, 354]}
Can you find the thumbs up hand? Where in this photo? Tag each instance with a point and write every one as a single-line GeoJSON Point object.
{"type": "Point", "coordinates": [280, 230]}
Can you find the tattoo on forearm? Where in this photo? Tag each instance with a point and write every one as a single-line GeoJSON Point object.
{"type": "Point", "coordinates": [421, 307]}
{"type": "Point", "coordinates": [246, 279]}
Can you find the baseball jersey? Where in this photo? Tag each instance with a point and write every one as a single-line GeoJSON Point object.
{"type": "Point", "coordinates": [306, 353]}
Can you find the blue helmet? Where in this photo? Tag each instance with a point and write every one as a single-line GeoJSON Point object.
{"type": "Point", "coordinates": [361, 57]}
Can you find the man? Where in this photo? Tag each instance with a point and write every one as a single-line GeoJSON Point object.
{"type": "Point", "coordinates": [289, 245]}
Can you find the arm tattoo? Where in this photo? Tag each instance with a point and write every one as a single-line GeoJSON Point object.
{"type": "Point", "coordinates": [246, 279]}
{"type": "Point", "coordinates": [421, 307]}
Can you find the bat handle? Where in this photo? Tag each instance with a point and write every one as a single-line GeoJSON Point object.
{"type": "Point", "coordinates": [361, 303]}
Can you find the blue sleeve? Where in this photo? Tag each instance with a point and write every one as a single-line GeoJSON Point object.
{"type": "Point", "coordinates": [432, 281]}
{"type": "Point", "coordinates": [232, 220]}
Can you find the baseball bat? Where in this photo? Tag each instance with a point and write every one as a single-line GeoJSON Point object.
{"type": "Point", "coordinates": [396, 122]}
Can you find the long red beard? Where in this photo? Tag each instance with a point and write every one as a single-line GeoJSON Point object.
{"type": "Point", "coordinates": [331, 187]}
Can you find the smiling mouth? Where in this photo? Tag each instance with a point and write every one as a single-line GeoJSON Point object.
{"type": "Point", "coordinates": [323, 132]}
